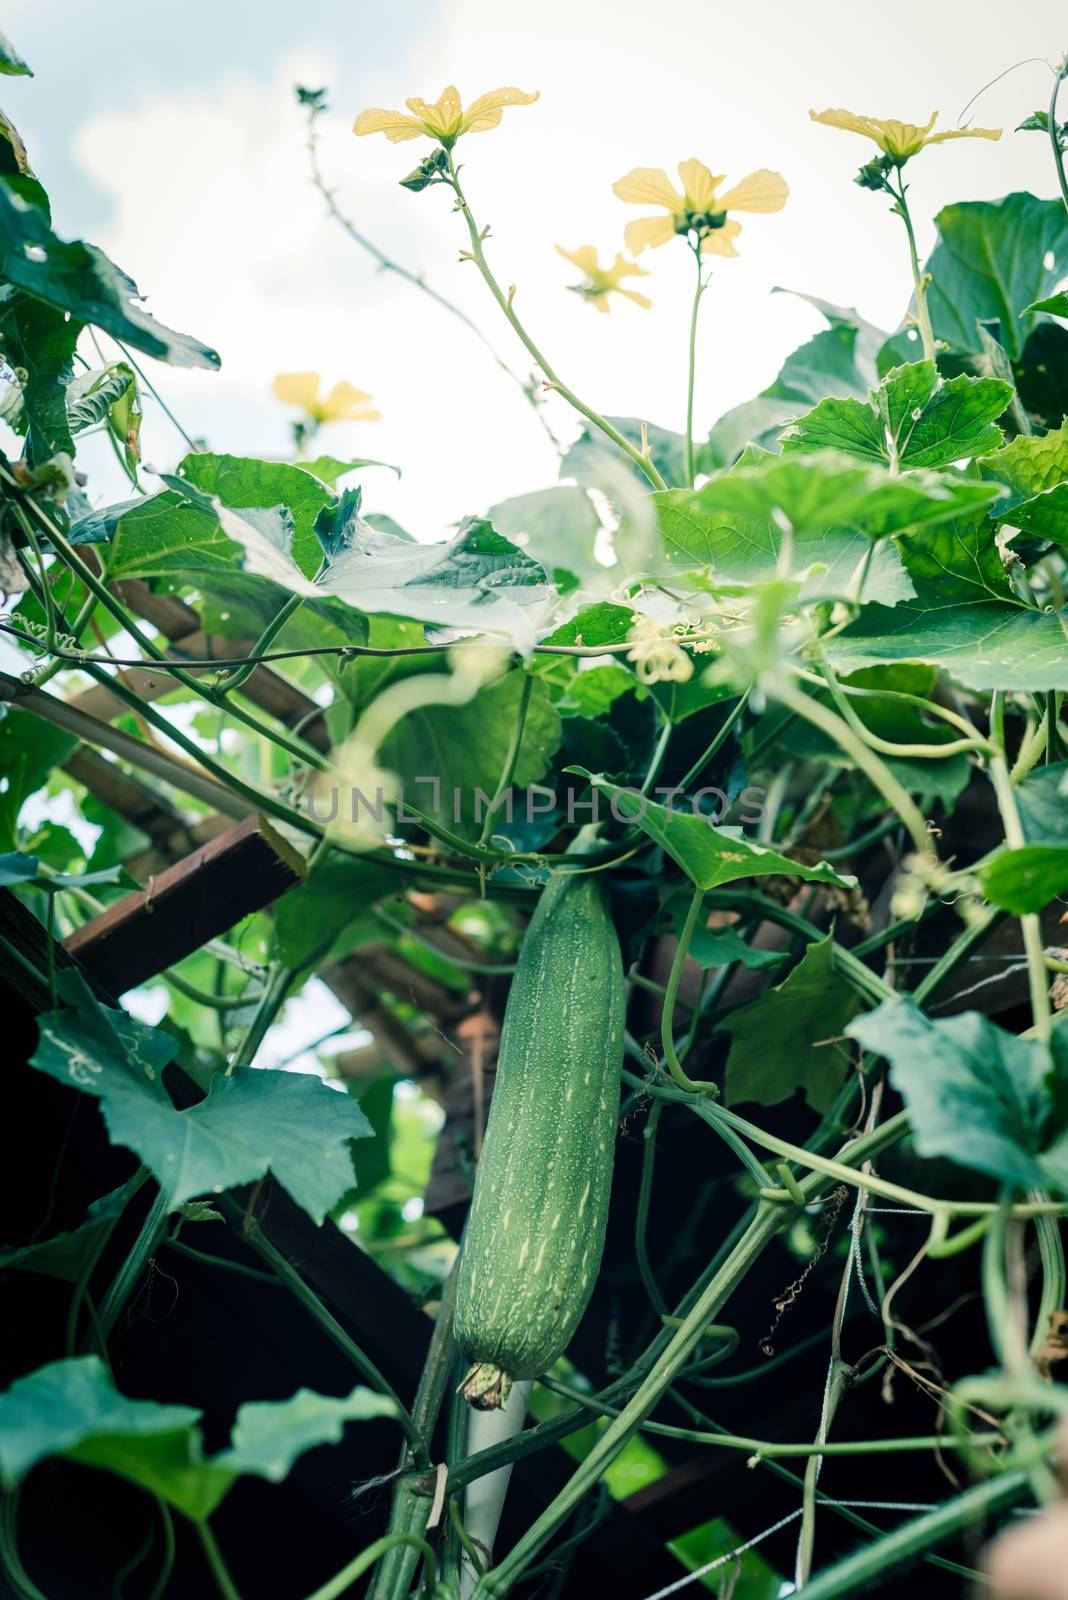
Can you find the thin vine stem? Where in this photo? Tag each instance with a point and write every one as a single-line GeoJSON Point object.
{"type": "Point", "coordinates": [691, 370]}
{"type": "Point", "coordinates": [1056, 142]}
{"type": "Point", "coordinates": [643, 462]}
{"type": "Point", "coordinates": [219, 1570]}
{"type": "Point", "coordinates": [919, 281]}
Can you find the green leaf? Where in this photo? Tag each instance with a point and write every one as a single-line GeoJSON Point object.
{"type": "Point", "coordinates": [71, 1408]}
{"type": "Point", "coordinates": [1029, 465]}
{"type": "Point", "coordinates": [558, 527]}
{"type": "Point", "coordinates": [11, 63]}
{"type": "Point", "coordinates": [476, 580]}
{"type": "Point", "coordinates": [251, 1122]}
{"type": "Point", "coordinates": [79, 279]}
{"type": "Point", "coordinates": [1042, 799]}
{"type": "Point", "coordinates": [70, 1405]}
{"type": "Point", "coordinates": [92, 394]}
{"type": "Point", "coordinates": [830, 488]}
{"type": "Point", "coordinates": [789, 1038]}
{"type": "Point", "coordinates": [268, 1436]}
{"type": "Point", "coordinates": [984, 645]}
{"type": "Point", "coordinates": [243, 483]}
{"type": "Point", "coordinates": [463, 747]}
{"type": "Point", "coordinates": [41, 340]}
{"type": "Point", "coordinates": [989, 265]}
{"type": "Point", "coordinates": [1026, 879]}
{"type": "Point", "coordinates": [593, 691]}
{"type": "Point", "coordinates": [1054, 305]}
{"type": "Point", "coordinates": [839, 361]}
{"type": "Point", "coordinates": [974, 1092]}
{"type": "Point", "coordinates": [719, 947]}
{"type": "Point", "coordinates": [913, 419]}
{"type": "Point", "coordinates": [740, 549]}
{"type": "Point", "coordinates": [330, 470]}
{"type": "Point", "coordinates": [958, 561]}
{"type": "Point", "coordinates": [65, 1254]}
{"type": "Point", "coordinates": [310, 918]}
{"type": "Point", "coordinates": [708, 855]}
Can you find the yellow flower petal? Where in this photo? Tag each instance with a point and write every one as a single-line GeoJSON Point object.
{"type": "Point", "coordinates": [485, 112]}
{"type": "Point", "coordinates": [964, 133]}
{"type": "Point", "coordinates": [649, 186]}
{"type": "Point", "coordinates": [345, 403]}
{"type": "Point", "coordinates": [585, 258]}
{"type": "Point", "coordinates": [599, 302]}
{"type": "Point", "coordinates": [849, 120]}
{"type": "Point", "coordinates": [394, 124]}
{"type": "Point", "coordinates": [699, 186]}
{"type": "Point", "coordinates": [632, 294]}
{"type": "Point", "coordinates": [442, 119]}
{"type": "Point", "coordinates": [297, 389]}
{"type": "Point", "coordinates": [761, 191]}
{"type": "Point", "coordinates": [622, 268]}
{"type": "Point", "coordinates": [719, 241]}
{"type": "Point", "coordinates": [648, 233]}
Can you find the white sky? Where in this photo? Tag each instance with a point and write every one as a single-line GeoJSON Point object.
{"type": "Point", "coordinates": [189, 166]}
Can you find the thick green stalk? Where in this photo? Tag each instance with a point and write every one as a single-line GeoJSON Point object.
{"type": "Point", "coordinates": [877, 1559]}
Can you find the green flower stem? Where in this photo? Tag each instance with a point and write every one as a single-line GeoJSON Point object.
{"type": "Point", "coordinates": [769, 1450]}
{"type": "Point", "coordinates": [129, 1274]}
{"type": "Point", "coordinates": [478, 255]}
{"type": "Point", "coordinates": [889, 747]}
{"type": "Point", "coordinates": [919, 281]}
{"type": "Point", "coordinates": [343, 1580]}
{"type": "Point", "coordinates": [264, 642]}
{"type": "Point", "coordinates": [877, 1559]}
{"type": "Point", "coordinates": [641, 1215]}
{"type": "Point", "coordinates": [874, 769]}
{"type": "Point", "coordinates": [225, 1584]}
{"type": "Point", "coordinates": [717, 743]}
{"type": "Point", "coordinates": [1056, 143]}
{"type": "Point", "coordinates": [254, 1236]}
{"type": "Point", "coordinates": [667, 1014]}
{"type": "Point", "coordinates": [511, 757]}
{"type": "Point", "coordinates": [387, 264]}
{"type": "Point", "coordinates": [1030, 926]}
{"type": "Point", "coordinates": [692, 364]}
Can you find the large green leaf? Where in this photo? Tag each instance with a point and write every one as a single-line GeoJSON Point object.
{"type": "Point", "coordinates": [838, 361]}
{"type": "Point", "coordinates": [1035, 470]}
{"type": "Point", "coordinates": [913, 419]}
{"type": "Point", "coordinates": [736, 549]}
{"type": "Point", "coordinates": [1042, 799]}
{"type": "Point", "coordinates": [984, 645]}
{"type": "Point", "coordinates": [11, 63]}
{"type": "Point", "coordinates": [41, 340]}
{"type": "Point", "coordinates": [957, 561]}
{"type": "Point", "coordinates": [475, 580]}
{"type": "Point", "coordinates": [558, 527]}
{"type": "Point", "coordinates": [66, 1254]}
{"type": "Point", "coordinates": [791, 1037]}
{"type": "Point", "coordinates": [993, 260]}
{"type": "Point", "coordinates": [72, 1408]}
{"type": "Point", "coordinates": [1025, 879]}
{"type": "Point", "coordinates": [463, 748]}
{"type": "Point", "coordinates": [708, 855]}
{"type": "Point", "coordinates": [975, 1093]}
{"type": "Point", "coordinates": [310, 917]}
{"type": "Point", "coordinates": [251, 1122]}
{"type": "Point", "coordinates": [242, 482]}
{"type": "Point", "coordinates": [830, 488]}
{"type": "Point", "coordinates": [79, 279]}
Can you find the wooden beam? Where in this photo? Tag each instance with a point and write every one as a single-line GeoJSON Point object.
{"type": "Point", "coordinates": [239, 872]}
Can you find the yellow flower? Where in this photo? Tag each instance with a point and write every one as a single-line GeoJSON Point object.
{"type": "Point", "coordinates": [342, 404]}
{"type": "Point", "coordinates": [603, 281]}
{"type": "Point", "coordinates": [699, 207]}
{"type": "Point", "coordinates": [445, 120]}
{"type": "Point", "coordinates": [899, 140]}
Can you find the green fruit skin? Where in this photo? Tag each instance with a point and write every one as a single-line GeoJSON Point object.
{"type": "Point", "coordinates": [536, 1229]}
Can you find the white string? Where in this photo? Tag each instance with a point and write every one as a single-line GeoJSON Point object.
{"type": "Point", "coordinates": [783, 1522]}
